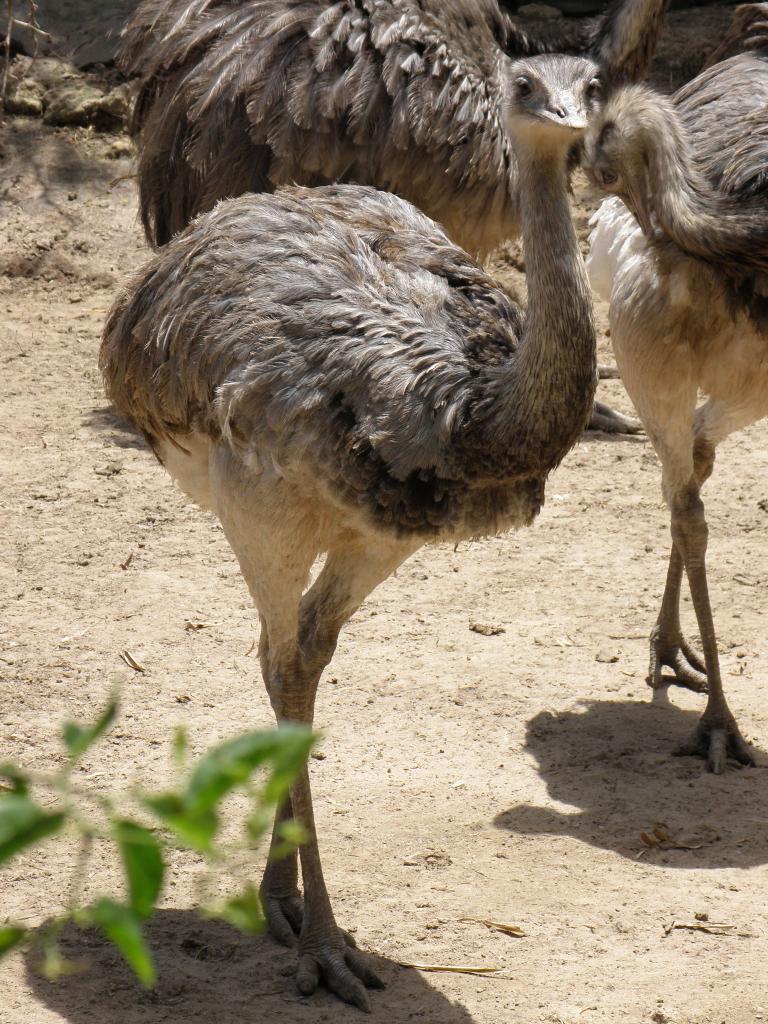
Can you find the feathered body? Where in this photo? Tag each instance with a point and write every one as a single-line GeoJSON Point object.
{"type": "Point", "coordinates": [692, 263]}
{"type": "Point", "coordinates": [685, 266]}
{"type": "Point", "coordinates": [245, 95]}
{"type": "Point", "coordinates": [353, 350]}
{"type": "Point", "coordinates": [328, 373]}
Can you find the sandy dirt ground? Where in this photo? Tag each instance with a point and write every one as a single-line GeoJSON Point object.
{"type": "Point", "coordinates": [506, 776]}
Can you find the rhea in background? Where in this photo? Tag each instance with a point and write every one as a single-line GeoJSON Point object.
{"type": "Point", "coordinates": [682, 256]}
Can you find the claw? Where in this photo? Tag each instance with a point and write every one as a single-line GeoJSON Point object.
{"type": "Point", "coordinates": [716, 744]}
{"type": "Point", "coordinates": [343, 970]}
{"type": "Point", "coordinates": [284, 916]}
{"type": "Point", "coordinates": [686, 664]}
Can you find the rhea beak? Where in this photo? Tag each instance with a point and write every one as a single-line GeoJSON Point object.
{"type": "Point", "coordinates": [567, 113]}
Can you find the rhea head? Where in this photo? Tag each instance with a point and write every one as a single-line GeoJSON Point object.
{"type": "Point", "coordinates": [550, 100]}
{"type": "Point", "coordinates": [623, 140]}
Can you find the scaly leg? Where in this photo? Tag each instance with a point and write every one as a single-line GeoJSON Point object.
{"type": "Point", "coordinates": [609, 421]}
{"type": "Point", "coordinates": [351, 572]}
{"type": "Point", "coordinates": [717, 735]}
{"type": "Point", "coordinates": [280, 896]}
{"type": "Point", "coordinates": [669, 648]}
{"type": "Point", "coordinates": [272, 528]}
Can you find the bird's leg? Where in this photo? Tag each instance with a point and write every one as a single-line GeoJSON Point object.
{"type": "Point", "coordinates": [609, 421]}
{"type": "Point", "coordinates": [669, 648]}
{"type": "Point", "coordinates": [351, 572]}
{"type": "Point", "coordinates": [717, 735]}
{"type": "Point", "coordinates": [323, 948]}
{"type": "Point", "coordinates": [280, 896]}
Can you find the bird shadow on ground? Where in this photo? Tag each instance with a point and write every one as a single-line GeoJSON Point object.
{"type": "Point", "coordinates": [208, 972]}
{"type": "Point", "coordinates": [612, 763]}
{"type": "Point", "coordinates": [120, 431]}
{"type": "Point", "coordinates": [606, 437]}
{"type": "Point", "coordinates": [50, 168]}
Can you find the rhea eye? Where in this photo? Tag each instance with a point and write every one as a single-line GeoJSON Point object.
{"type": "Point", "coordinates": [594, 89]}
{"type": "Point", "coordinates": [524, 85]}
{"type": "Point", "coordinates": [608, 131]}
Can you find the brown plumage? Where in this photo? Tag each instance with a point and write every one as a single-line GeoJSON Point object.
{"type": "Point", "coordinates": [687, 279]}
{"type": "Point", "coordinates": [245, 95]}
{"type": "Point", "coordinates": [326, 371]}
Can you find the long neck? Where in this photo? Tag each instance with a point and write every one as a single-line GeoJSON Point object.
{"type": "Point", "coordinates": [705, 223]}
{"type": "Point", "coordinates": [543, 396]}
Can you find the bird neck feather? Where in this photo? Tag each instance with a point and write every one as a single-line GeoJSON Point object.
{"type": "Point", "coordinates": [545, 393]}
{"type": "Point", "coordinates": [674, 200]}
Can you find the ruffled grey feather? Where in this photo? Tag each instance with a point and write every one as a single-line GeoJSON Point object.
{"type": "Point", "coordinates": [404, 95]}
{"type": "Point", "coordinates": [340, 328]}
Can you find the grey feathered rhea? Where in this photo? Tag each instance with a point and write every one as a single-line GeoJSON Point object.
{"type": "Point", "coordinates": [245, 95]}
{"type": "Point", "coordinates": [326, 371]}
{"type": "Point", "coordinates": [688, 297]}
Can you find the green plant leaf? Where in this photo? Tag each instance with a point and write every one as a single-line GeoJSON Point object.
{"type": "Point", "coordinates": [18, 779]}
{"type": "Point", "coordinates": [10, 937]}
{"type": "Point", "coordinates": [78, 738]}
{"type": "Point", "coordinates": [23, 823]}
{"type": "Point", "coordinates": [122, 926]}
{"type": "Point", "coordinates": [53, 966]}
{"type": "Point", "coordinates": [180, 746]}
{"type": "Point", "coordinates": [291, 834]}
{"type": "Point", "coordinates": [232, 763]}
{"type": "Point", "coordinates": [243, 912]}
{"type": "Point", "coordinates": [194, 828]}
{"type": "Point", "coordinates": [257, 824]}
{"type": "Point", "coordinates": [293, 744]}
{"type": "Point", "coordinates": [143, 862]}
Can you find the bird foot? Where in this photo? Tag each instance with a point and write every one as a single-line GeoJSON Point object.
{"type": "Point", "coordinates": [686, 663]}
{"type": "Point", "coordinates": [284, 916]}
{"type": "Point", "coordinates": [716, 743]}
{"type": "Point", "coordinates": [609, 421]}
{"type": "Point", "coordinates": [326, 956]}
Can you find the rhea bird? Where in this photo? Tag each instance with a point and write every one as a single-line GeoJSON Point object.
{"type": "Point", "coordinates": [682, 256]}
{"type": "Point", "coordinates": [245, 95]}
{"type": "Point", "coordinates": [328, 373]}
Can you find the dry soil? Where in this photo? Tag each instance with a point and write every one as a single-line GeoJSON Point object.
{"type": "Point", "coordinates": [507, 776]}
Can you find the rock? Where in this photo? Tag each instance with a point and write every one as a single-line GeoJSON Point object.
{"type": "Point", "coordinates": [486, 629]}
{"type": "Point", "coordinates": [543, 12]}
{"type": "Point", "coordinates": [607, 656]}
{"type": "Point", "coordinates": [120, 148]}
{"type": "Point", "coordinates": [47, 72]}
{"type": "Point", "coordinates": [117, 102]}
{"type": "Point", "coordinates": [26, 99]}
{"type": "Point", "coordinates": [77, 104]}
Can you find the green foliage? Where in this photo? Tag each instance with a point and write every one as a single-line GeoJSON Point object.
{"type": "Point", "coordinates": [143, 862]}
{"type": "Point", "coordinates": [11, 936]}
{"type": "Point", "coordinates": [244, 912]}
{"type": "Point", "coordinates": [122, 926]}
{"type": "Point", "coordinates": [233, 763]}
{"type": "Point", "coordinates": [77, 739]}
{"type": "Point", "coordinates": [23, 823]}
{"type": "Point", "coordinates": [191, 828]}
{"type": "Point", "coordinates": [18, 780]}
{"type": "Point", "coordinates": [192, 814]}
{"type": "Point", "coordinates": [189, 815]}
